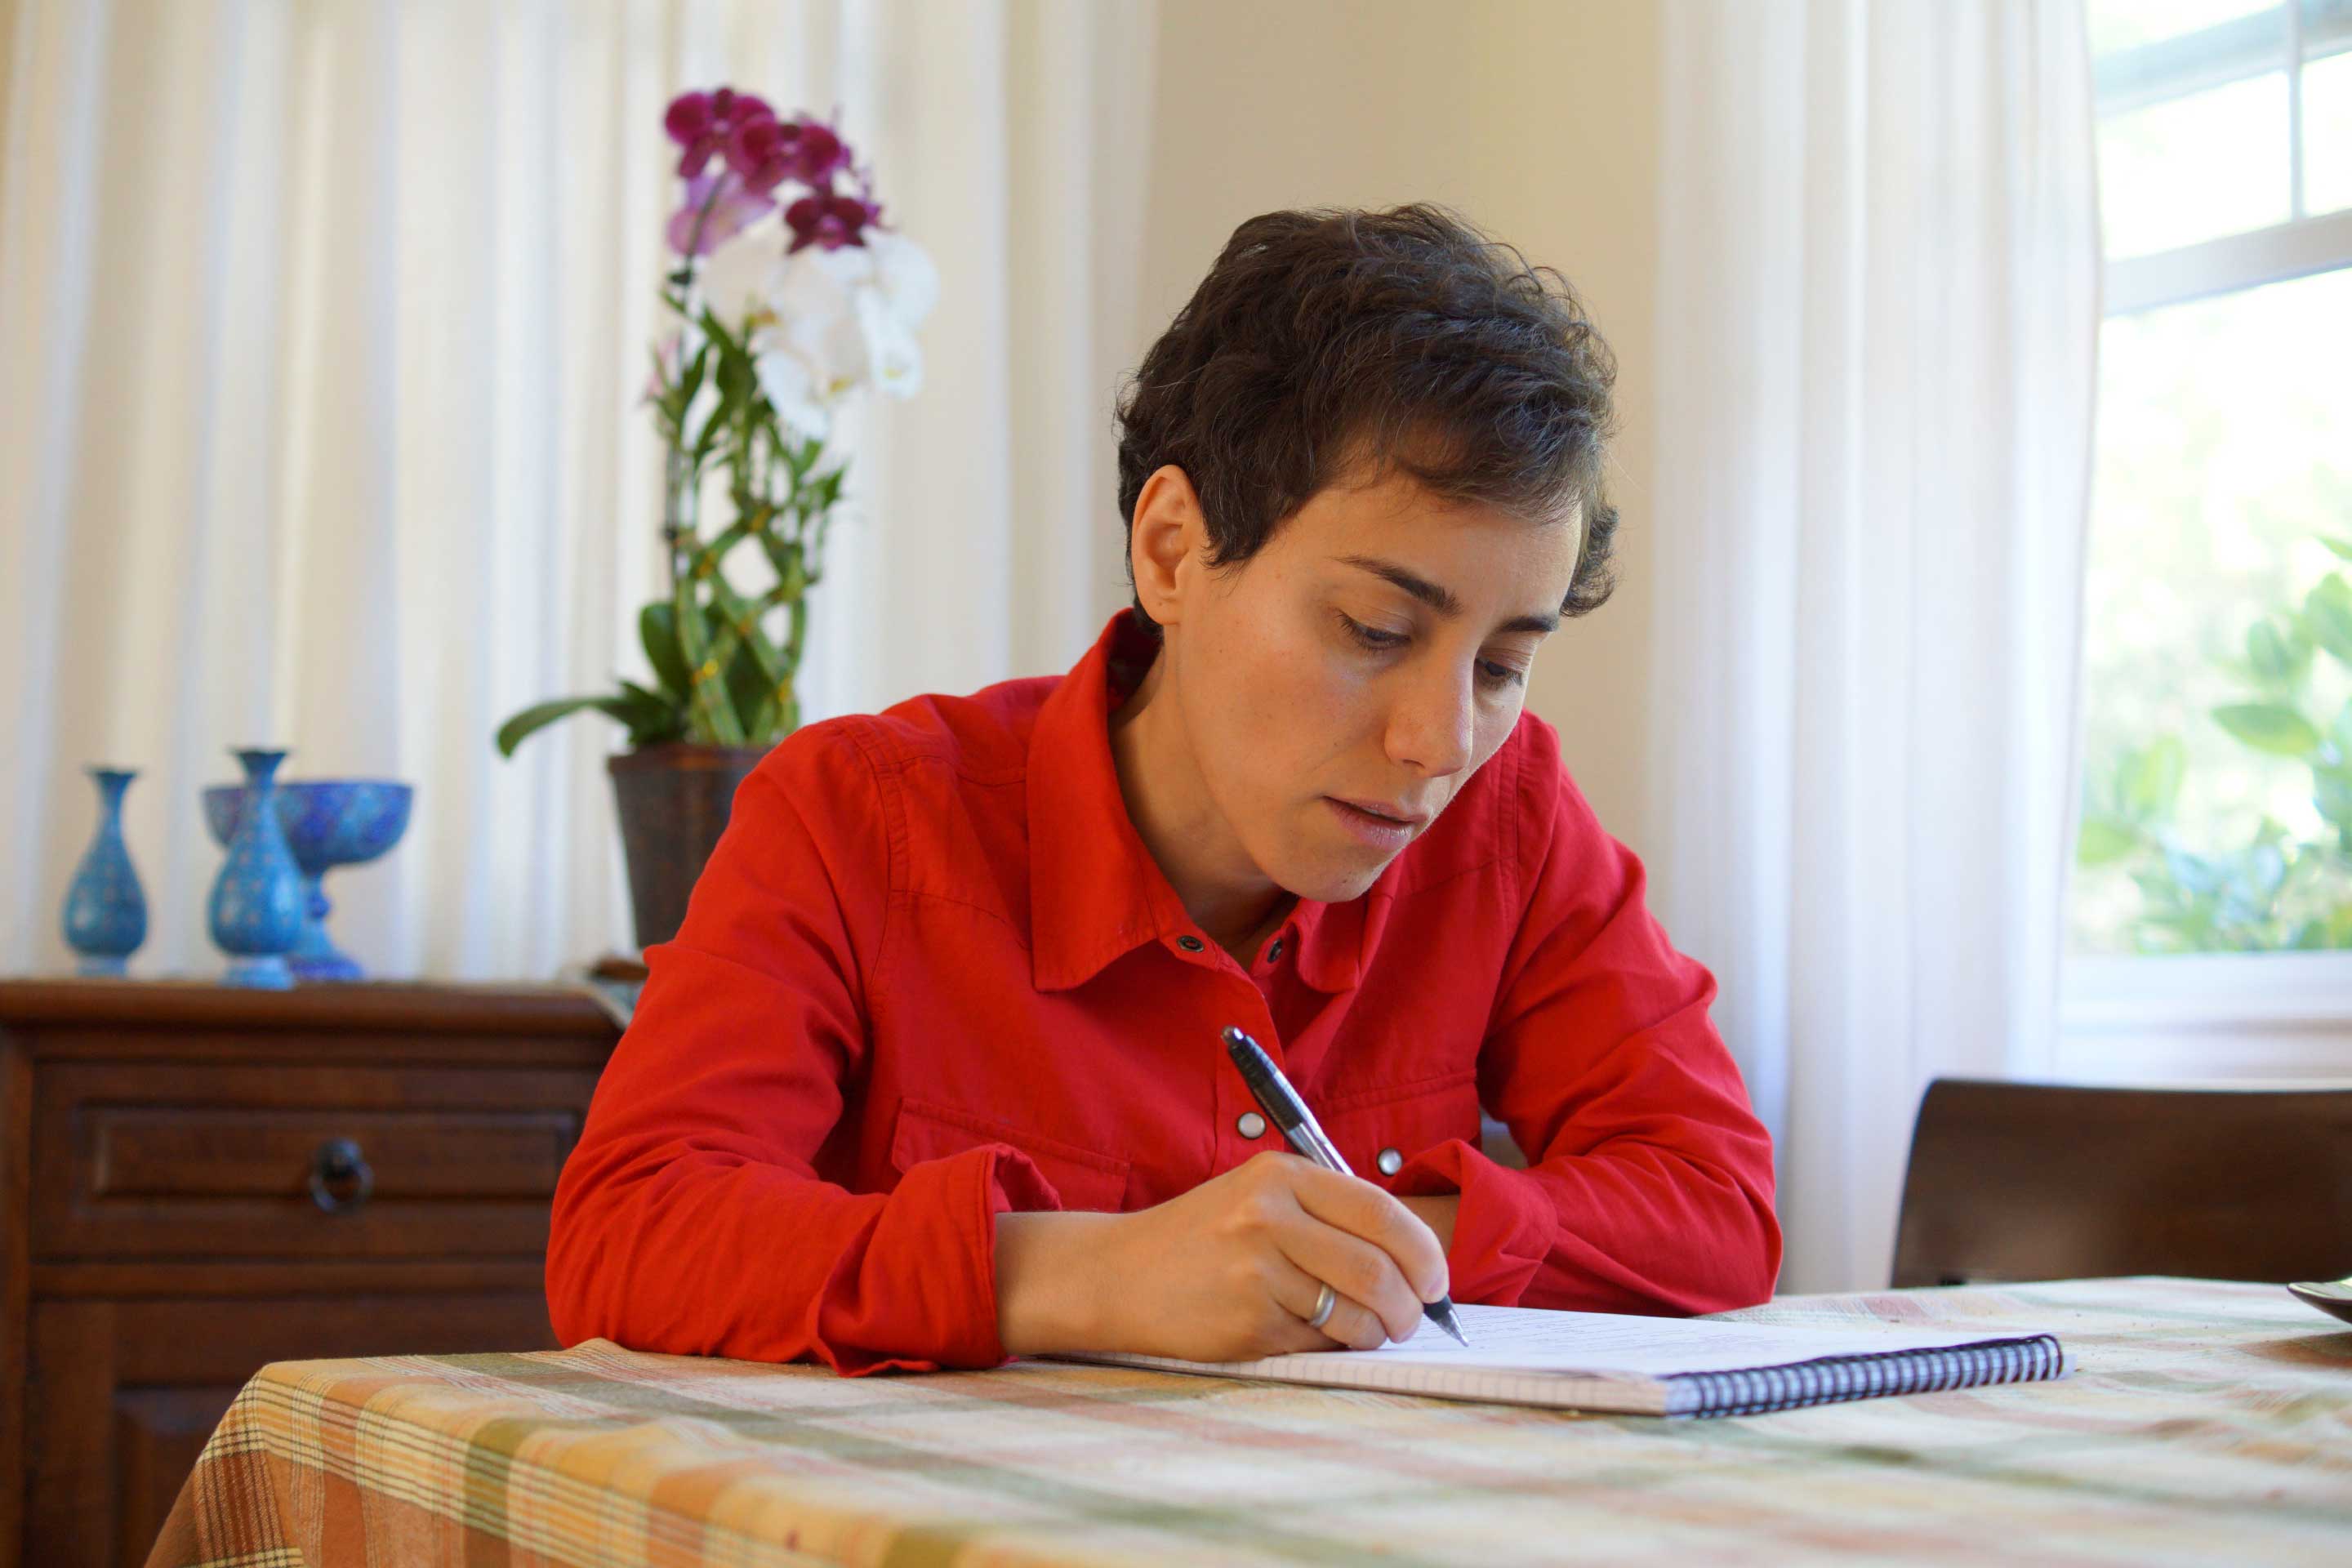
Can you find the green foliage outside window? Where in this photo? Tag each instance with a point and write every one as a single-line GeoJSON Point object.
{"type": "Point", "coordinates": [2280, 890]}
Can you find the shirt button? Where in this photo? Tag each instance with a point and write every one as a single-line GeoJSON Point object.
{"type": "Point", "coordinates": [1189, 944]}
{"type": "Point", "coordinates": [1274, 954]}
{"type": "Point", "coordinates": [1390, 1162]}
{"type": "Point", "coordinates": [1251, 1125]}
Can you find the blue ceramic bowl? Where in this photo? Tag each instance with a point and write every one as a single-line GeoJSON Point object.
{"type": "Point", "coordinates": [328, 822]}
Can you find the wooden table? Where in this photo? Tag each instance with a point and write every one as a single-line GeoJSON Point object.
{"type": "Point", "coordinates": [2208, 1423]}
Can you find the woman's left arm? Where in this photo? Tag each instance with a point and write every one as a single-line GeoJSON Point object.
{"type": "Point", "coordinates": [1649, 1186]}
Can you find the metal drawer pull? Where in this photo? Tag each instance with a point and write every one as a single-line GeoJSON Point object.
{"type": "Point", "coordinates": [339, 1178]}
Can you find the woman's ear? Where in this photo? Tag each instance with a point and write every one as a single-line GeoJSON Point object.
{"type": "Point", "coordinates": [1166, 541]}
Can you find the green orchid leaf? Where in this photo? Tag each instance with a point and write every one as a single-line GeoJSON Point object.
{"type": "Point", "coordinates": [644, 705]}
{"type": "Point", "coordinates": [2342, 547]}
{"type": "Point", "coordinates": [658, 629]}
{"type": "Point", "coordinates": [800, 457]}
{"type": "Point", "coordinates": [752, 692]}
{"type": "Point", "coordinates": [652, 716]}
{"type": "Point", "coordinates": [733, 375]}
{"type": "Point", "coordinates": [715, 333]}
{"type": "Point", "coordinates": [823, 492]}
{"type": "Point", "coordinates": [729, 373]}
{"type": "Point", "coordinates": [705, 440]}
{"type": "Point", "coordinates": [2269, 727]}
{"type": "Point", "coordinates": [532, 720]}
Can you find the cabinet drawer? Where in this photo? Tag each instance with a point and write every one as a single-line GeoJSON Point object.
{"type": "Point", "coordinates": [130, 1391]}
{"type": "Point", "coordinates": [172, 1160]}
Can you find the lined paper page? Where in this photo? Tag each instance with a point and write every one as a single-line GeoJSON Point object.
{"type": "Point", "coordinates": [1589, 1360]}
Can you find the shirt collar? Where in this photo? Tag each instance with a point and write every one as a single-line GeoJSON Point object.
{"type": "Point", "coordinates": [1095, 892]}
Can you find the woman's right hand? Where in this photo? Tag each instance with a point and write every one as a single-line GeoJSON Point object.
{"type": "Point", "coordinates": [1229, 1272]}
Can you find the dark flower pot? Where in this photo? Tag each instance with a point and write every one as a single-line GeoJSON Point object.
{"type": "Point", "coordinates": [673, 801]}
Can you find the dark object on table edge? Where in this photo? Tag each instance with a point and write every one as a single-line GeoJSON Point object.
{"type": "Point", "coordinates": [2333, 1297]}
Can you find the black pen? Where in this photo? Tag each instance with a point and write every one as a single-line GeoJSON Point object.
{"type": "Point", "coordinates": [1288, 1113]}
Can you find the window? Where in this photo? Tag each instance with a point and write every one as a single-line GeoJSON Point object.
{"type": "Point", "coordinates": [2217, 740]}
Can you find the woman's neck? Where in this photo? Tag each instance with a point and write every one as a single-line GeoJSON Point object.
{"type": "Point", "coordinates": [1167, 799]}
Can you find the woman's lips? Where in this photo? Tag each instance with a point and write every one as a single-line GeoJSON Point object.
{"type": "Point", "coordinates": [1376, 828]}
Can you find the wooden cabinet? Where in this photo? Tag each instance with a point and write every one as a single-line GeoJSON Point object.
{"type": "Point", "coordinates": [197, 1181]}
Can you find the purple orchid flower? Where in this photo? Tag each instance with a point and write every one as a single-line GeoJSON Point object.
{"type": "Point", "coordinates": [734, 210]}
{"type": "Point", "coordinates": [766, 152]}
{"type": "Point", "coordinates": [830, 219]}
{"type": "Point", "coordinates": [702, 122]}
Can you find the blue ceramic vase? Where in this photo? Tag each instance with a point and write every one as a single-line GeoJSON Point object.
{"type": "Point", "coordinates": [106, 912]}
{"type": "Point", "coordinates": [256, 903]}
{"type": "Point", "coordinates": [328, 823]}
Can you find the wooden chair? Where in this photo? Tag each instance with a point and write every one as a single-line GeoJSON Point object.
{"type": "Point", "coordinates": [2021, 1181]}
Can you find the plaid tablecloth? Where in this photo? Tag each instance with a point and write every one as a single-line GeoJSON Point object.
{"type": "Point", "coordinates": [2207, 1424]}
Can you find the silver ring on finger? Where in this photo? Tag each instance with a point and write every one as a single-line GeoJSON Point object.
{"type": "Point", "coordinates": [1323, 1305]}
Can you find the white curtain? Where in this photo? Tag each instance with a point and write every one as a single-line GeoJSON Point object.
{"type": "Point", "coordinates": [1877, 313]}
{"type": "Point", "coordinates": [321, 329]}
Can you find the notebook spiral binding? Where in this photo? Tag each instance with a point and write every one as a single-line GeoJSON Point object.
{"type": "Point", "coordinates": [1755, 1390]}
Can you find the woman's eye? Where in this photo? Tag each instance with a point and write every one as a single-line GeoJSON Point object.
{"type": "Point", "coordinates": [1371, 636]}
{"type": "Point", "coordinates": [1500, 674]}
{"type": "Point", "coordinates": [1492, 673]}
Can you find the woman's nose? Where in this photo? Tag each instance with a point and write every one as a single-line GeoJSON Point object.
{"type": "Point", "coordinates": [1430, 730]}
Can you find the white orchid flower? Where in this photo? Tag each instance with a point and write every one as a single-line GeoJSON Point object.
{"type": "Point", "coordinates": [903, 272]}
{"type": "Point", "coordinates": [892, 356]}
{"type": "Point", "coordinates": [792, 391]}
{"type": "Point", "coordinates": [740, 276]}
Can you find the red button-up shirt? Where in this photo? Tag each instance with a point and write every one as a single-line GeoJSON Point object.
{"type": "Point", "coordinates": [931, 973]}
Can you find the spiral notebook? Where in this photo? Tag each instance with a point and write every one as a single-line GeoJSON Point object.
{"type": "Point", "coordinates": [1652, 1366]}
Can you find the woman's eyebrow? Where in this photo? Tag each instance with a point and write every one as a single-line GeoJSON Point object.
{"type": "Point", "coordinates": [1438, 597]}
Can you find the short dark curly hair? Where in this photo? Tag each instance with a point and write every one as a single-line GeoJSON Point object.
{"type": "Point", "coordinates": [1323, 337]}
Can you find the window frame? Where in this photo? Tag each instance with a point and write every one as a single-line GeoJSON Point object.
{"type": "Point", "coordinates": [2221, 1016]}
{"type": "Point", "coordinates": [2212, 1016]}
{"type": "Point", "coordinates": [2232, 264]}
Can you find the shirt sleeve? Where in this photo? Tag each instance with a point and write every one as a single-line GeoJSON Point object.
{"type": "Point", "coordinates": [1649, 1186]}
{"type": "Point", "coordinates": [689, 1218]}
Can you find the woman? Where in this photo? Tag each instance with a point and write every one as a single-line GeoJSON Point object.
{"type": "Point", "coordinates": [932, 1073]}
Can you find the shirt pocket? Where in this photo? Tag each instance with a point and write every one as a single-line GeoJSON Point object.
{"type": "Point", "coordinates": [1082, 1178]}
{"type": "Point", "coordinates": [1381, 1131]}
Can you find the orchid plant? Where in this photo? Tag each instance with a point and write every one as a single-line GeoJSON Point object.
{"type": "Point", "coordinates": [790, 299]}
